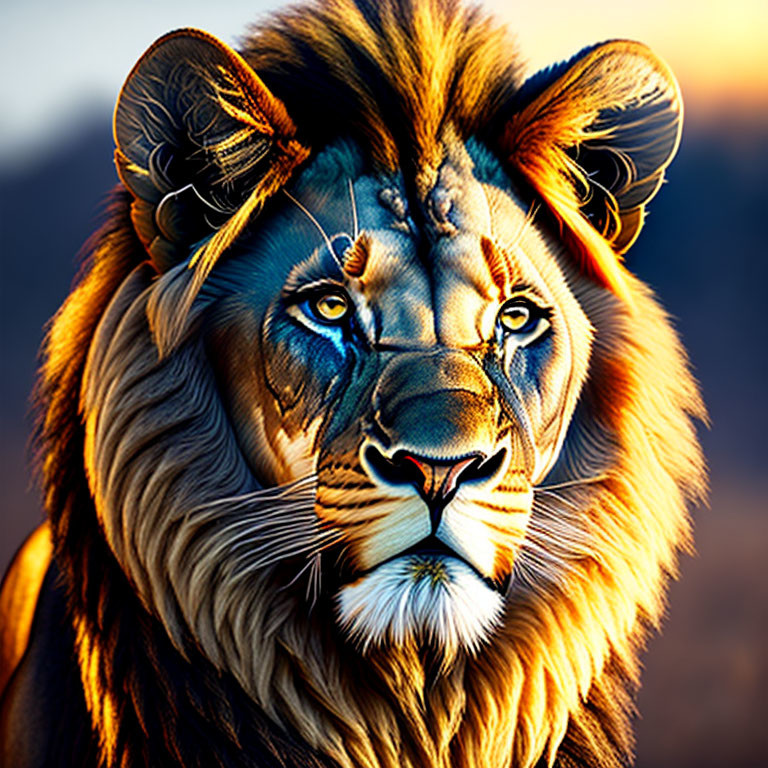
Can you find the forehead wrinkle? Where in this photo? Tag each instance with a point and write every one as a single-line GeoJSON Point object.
{"type": "Point", "coordinates": [520, 262]}
{"type": "Point", "coordinates": [498, 263]}
{"type": "Point", "coordinates": [320, 265]}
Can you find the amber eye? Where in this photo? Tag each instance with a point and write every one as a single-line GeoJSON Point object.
{"type": "Point", "coordinates": [330, 307]}
{"type": "Point", "coordinates": [515, 317]}
{"type": "Point", "coordinates": [523, 318]}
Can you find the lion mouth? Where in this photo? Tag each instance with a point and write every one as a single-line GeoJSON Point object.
{"type": "Point", "coordinates": [430, 552]}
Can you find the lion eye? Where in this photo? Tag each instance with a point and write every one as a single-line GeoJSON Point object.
{"type": "Point", "coordinates": [523, 318]}
{"type": "Point", "coordinates": [331, 307]}
{"type": "Point", "coordinates": [515, 318]}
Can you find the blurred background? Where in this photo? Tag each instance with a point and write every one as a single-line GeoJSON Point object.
{"type": "Point", "coordinates": [704, 701]}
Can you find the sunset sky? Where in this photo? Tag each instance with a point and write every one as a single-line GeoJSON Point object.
{"type": "Point", "coordinates": [718, 49]}
{"type": "Point", "coordinates": [76, 55]}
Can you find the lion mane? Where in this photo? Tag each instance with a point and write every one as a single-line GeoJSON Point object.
{"type": "Point", "coordinates": [222, 589]}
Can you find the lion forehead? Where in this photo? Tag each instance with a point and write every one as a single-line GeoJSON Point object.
{"type": "Point", "coordinates": [423, 255]}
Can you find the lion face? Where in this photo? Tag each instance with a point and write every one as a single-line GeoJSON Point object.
{"type": "Point", "coordinates": [425, 373]}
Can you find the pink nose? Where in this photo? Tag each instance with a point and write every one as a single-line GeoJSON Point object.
{"type": "Point", "coordinates": [436, 481]}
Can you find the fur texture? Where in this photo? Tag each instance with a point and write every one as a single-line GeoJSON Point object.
{"type": "Point", "coordinates": [221, 535]}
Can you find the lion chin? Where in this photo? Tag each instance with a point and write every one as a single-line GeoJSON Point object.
{"type": "Point", "coordinates": [420, 598]}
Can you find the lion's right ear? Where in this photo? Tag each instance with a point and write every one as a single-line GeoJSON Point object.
{"type": "Point", "coordinates": [201, 143]}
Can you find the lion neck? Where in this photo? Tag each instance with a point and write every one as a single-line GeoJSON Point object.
{"type": "Point", "coordinates": [528, 696]}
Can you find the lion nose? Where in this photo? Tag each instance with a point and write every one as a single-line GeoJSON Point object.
{"type": "Point", "coordinates": [436, 481]}
{"type": "Point", "coordinates": [436, 404]}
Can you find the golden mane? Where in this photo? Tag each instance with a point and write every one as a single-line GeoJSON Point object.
{"type": "Point", "coordinates": [395, 73]}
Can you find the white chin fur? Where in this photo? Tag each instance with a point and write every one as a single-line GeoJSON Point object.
{"type": "Point", "coordinates": [420, 597]}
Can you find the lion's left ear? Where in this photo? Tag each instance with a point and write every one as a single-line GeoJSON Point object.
{"type": "Point", "coordinates": [593, 136]}
{"type": "Point", "coordinates": [201, 143]}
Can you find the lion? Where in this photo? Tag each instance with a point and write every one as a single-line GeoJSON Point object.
{"type": "Point", "coordinates": [360, 446]}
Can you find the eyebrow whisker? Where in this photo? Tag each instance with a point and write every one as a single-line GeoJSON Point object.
{"type": "Point", "coordinates": [527, 222]}
{"type": "Point", "coordinates": [354, 209]}
{"type": "Point", "coordinates": [304, 210]}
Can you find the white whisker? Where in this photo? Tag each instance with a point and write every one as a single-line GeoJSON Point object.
{"type": "Point", "coordinates": [571, 483]}
{"type": "Point", "coordinates": [268, 555]}
{"type": "Point", "coordinates": [304, 486]}
{"type": "Point", "coordinates": [527, 222]}
{"type": "Point", "coordinates": [313, 584]}
{"type": "Point", "coordinates": [285, 540]}
{"type": "Point", "coordinates": [303, 570]}
{"type": "Point", "coordinates": [263, 528]}
{"type": "Point", "coordinates": [354, 209]}
{"type": "Point", "coordinates": [540, 503]}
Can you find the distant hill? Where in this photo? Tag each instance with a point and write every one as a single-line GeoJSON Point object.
{"type": "Point", "coordinates": [705, 251]}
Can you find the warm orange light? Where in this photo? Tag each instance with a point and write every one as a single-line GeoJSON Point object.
{"type": "Point", "coordinates": [718, 49]}
{"type": "Point", "coordinates": [18, 599]}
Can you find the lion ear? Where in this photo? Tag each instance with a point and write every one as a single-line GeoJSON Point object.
{"type": "Point", "coordinates": [201, 143]}
{"type": "Point", "coordinates": [593, 137]}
